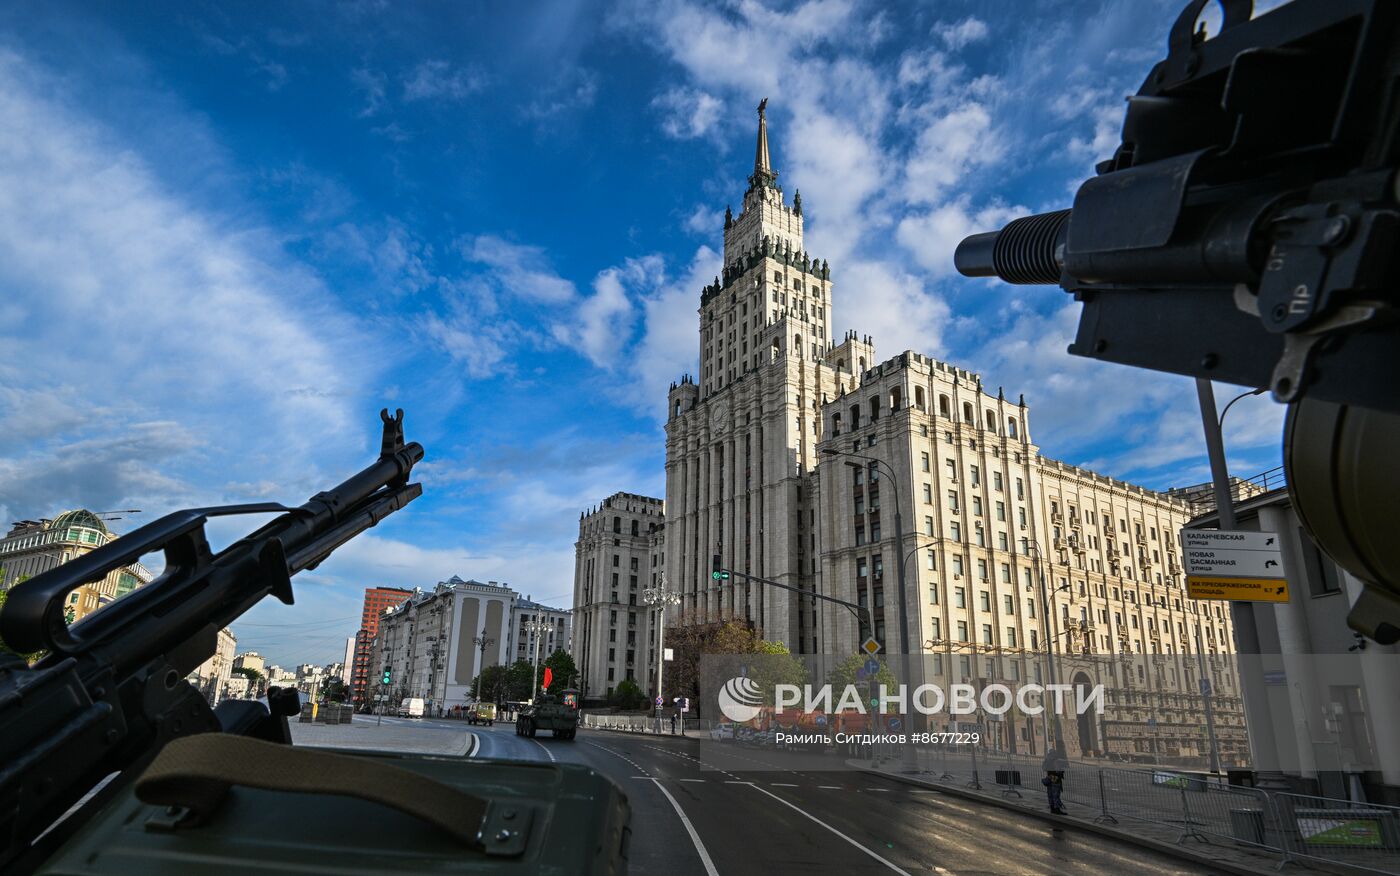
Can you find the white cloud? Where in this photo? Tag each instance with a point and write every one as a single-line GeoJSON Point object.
{"type": "Point", "coordinates": [669, 344]}
{"type": "Point", "coordinates": [932, 236]}
{"type": "Point", "coordinates": [520, 270]}
{"type": "Point", "coordinates": [956, 143]}
{"type": "Point", "coordinates": [895, 307]}
{"type": "Point", "coordinates": [155, 310]}
{"type": "Point", "coordinates": [687, 112]}
{"type": "Point", "coordinates": [704, 221]}
{"type": "Point", "coordinates": [439, 79]}
{"type": "Point", "coordinates": [373, 84]}
{"type": "Point", "coordinates": [602, 326]}
{"type": "Point", "coordinates": [961, 33]}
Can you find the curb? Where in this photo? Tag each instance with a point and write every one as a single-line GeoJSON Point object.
{"type": "Point", "coordinates": [1165, 848]}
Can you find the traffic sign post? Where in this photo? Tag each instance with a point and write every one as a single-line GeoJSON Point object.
{"type": "Point", "coordinates": [1233, 565]}
{"type": "Point", "coordinates": [871, 647]}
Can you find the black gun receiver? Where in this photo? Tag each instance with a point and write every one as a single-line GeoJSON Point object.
{"type": "Point", "coordinates": [110, 692]}
{"type": "Point", "coordinates": [1246, 230]}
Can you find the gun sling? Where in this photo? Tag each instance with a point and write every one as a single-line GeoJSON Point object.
{"type": "Point", "coordinates": [195, 773]}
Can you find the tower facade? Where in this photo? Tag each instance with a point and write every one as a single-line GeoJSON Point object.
{"type": "Point", "coordinates": [741, 439]}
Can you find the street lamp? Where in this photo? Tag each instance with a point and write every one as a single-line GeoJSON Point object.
{"type": "Point", "coordinates": [898, 534]}
{"type": "Point", "coordinates": [659, 597]}
{"type": "Point", "coordinates": [1047, 609]}
{"type": "Point", "coordinates": [482, 642]}
{"type": "Point", "coordinates": [535, 628]}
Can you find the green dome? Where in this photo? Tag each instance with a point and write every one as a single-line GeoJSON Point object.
{"type": "Point", "coordinates": [80, 517]}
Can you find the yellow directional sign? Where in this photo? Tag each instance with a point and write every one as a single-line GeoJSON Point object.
{"type": "Point", "coordinates": [1238, 589]}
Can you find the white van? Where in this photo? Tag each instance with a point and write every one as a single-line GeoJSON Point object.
{"type": "Point", "coordinates": [411, 708]}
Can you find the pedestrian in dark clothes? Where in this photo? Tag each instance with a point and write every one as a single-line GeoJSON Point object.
{"type": "Point", "coordinates": [1055, 766]}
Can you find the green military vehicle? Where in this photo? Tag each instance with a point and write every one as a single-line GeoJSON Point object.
{"type": "Point", "coordinates": [550, 712]}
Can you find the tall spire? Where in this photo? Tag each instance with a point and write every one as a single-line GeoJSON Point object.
{"type": "Point", "coordinates": [763, 172]}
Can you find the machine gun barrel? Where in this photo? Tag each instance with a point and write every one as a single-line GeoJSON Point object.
{"type": "Point", "coordinates": [111, 692]}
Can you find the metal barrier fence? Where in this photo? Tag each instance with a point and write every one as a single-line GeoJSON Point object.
{"type": "Point", "coordinates": [1175, 805]}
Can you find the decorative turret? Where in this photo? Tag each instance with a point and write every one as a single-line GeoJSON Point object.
{"type": "Point", "coordinates": [728, 217]}
{"type": "Point", "coordinates": [797, 202]}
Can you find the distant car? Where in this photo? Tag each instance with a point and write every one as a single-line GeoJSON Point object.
{"type": "Point", "coordinates": [482, 713]}
{"type": "Point", "coordinates": [721, 732]}
{"type": "Point", "coordinates": [411, 708]}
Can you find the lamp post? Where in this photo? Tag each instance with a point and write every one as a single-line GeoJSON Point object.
{"type": "Point", "coordinates": [535, 628]}
{"type": "Point", "coordinates": [482, 642]}
{"type": "Point", "coordinates": [1048, 610]}
{"type": "Point", "coordinates": [659, 597]}
{"type": "Point", "coordinates": [1242, 614]}
{"type": "Point", "coordinates": [898, 535]}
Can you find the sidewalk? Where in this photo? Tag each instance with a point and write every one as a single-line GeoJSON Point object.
{"type": "Point", "coordinates": [1217, 854]}
{"type": "Point", "coordinates": [365, 734]}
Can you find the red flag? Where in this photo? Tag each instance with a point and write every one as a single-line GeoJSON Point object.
{"type": "Point", "coordinates": [548, 677]}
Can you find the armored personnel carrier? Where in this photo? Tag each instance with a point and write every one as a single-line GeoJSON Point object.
{"type": "Point", "coordinates": [557, 712]}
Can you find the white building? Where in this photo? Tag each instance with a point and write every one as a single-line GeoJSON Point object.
{"type": "Point", "coordinates": [212, 676]}
{"type": "Point", "coordinates": [617, 556]}
{"type": "Point", "coordinates": [529, 645]}
{"type": "Point", "coordinates": [436, 642]}
{"type": "Point", "coordinates": [1323, 702]}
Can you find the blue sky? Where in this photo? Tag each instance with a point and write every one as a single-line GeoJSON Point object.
{"type": "Point", "coordinates": [229, 234]}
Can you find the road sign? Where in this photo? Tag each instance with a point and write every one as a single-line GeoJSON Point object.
{"type": "Point", "coordinates": [861, 674]}
{"type": "Point", "coordinates": [894, 724]}
{"type": "Point", "coordinates": [1232, 554]}
{"type": "Point", "coordinates": [660, 701]}
{"type": "Point", "coordinates": [872, 666]}
{"type": "Point", "coordinates": [668, 654]}
{"type": "Point", "coordinates": [1237, 589]}
{"type": "Point", "coordinates": [685, 704]}
{"type": "Point", "coordinates": [1233, 565]}
{"type": "Point", "coordinates": [870, 646]}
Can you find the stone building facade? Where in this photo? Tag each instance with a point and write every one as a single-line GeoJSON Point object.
{"type": "Point", "coordinates": [617, 556]}
{"type": "Point", "coordinates": [34, 546]}
{"type": "Point", "coordinates": [791, 453]}
{"type": "Point", "coordinates": [428, 642]}
{"type": "Point", "coordinates": [211, 677]}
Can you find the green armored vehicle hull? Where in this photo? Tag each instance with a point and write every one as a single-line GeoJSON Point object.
{"type": "Point", "coordinates": [558, 713]}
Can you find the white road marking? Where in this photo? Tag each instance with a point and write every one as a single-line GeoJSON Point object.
{"type": "Point", "coordinates": [702, 781]}
{"type": "Point", "coordinates": [474, 747]}
{"type": "Point", "coordinates": [812, 817]}
{"type": "Point", "coordinates": [782, 784]}
{"type": "Point", "coordinates": [881, 790]}
{"type": "Point", "coordinates": [690, 829]}
{"type": "Point", "coordinates": [544, 748]}
{"type": "Point", "coordinates": [829, 787]}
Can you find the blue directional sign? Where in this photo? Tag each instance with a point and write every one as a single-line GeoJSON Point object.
{"type": "Point", "coordinates": [872, 666]}
{"type": "Point", "coordinates": [895, 724]}
{"type": "Point", "coordinates": [861, 674]}
{"type": "Point", "coordinates": [821, 720]}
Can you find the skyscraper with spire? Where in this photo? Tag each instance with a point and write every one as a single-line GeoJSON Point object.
{"type": "Point", "coordinates": [741, 436]}
{"type": "Point", "coordinates": [1008, 552]}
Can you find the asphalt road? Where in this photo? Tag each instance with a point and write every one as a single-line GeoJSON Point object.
{"type": "Point", "coordinates": [702, 807]}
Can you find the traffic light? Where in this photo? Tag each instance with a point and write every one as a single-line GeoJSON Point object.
{"type": "Point", "coordinates": [715, 571]}
{"type": "Point", "coordinates": [385, 680]}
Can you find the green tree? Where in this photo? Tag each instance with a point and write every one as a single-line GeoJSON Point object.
{"type": "Point", "coordinates": [565, 672]}
{"type": "Point", "coordinates": [628, 696]}
{"type": "Point", "coordinates": [844, 673]}
{"type": "Point", "coordinates": [775, 665]}
{"type": "Point", "coordinates": [255, 679]}
{"type": "Point", "coordinates": [519, 676]}
{"type": "Point", "coordinates": [495, 684]}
